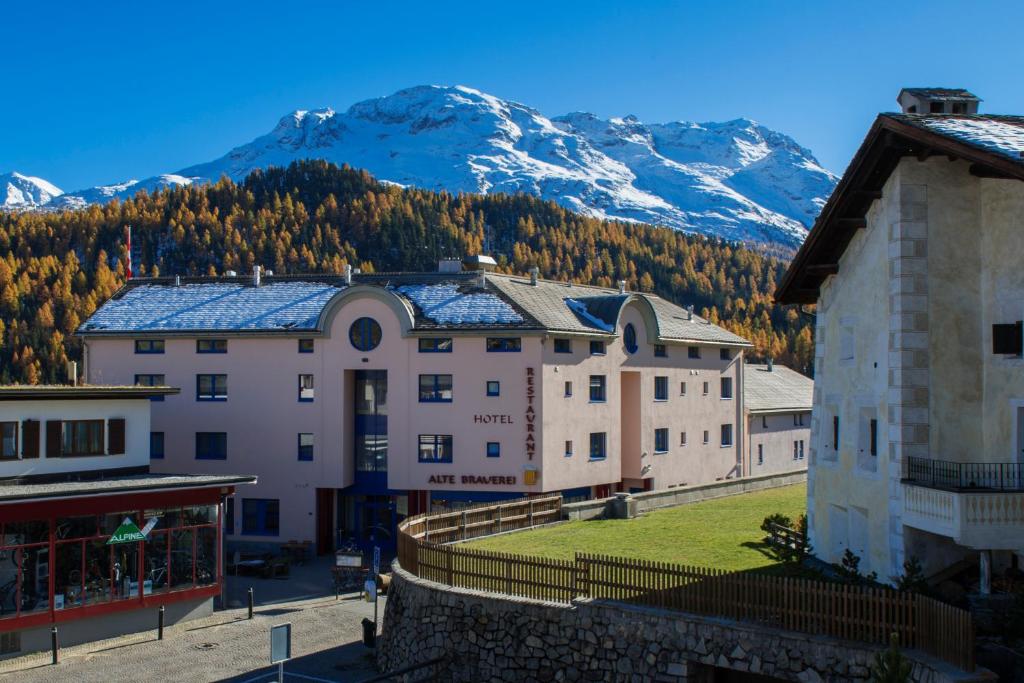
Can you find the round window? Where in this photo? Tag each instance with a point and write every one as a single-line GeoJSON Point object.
{"type": "Point", "coordinates": [365, 334]}
{"type": "Point", "coordinates": [629, 338]}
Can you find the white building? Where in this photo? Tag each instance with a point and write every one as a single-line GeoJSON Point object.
{"type": "Point", "coordinates": [777, 403]}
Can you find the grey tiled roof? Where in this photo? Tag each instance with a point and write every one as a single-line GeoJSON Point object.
{"type": "Point", "coordinates": [995, 133]}
{"type": "Point", "coordinates": [780, 390]}
{"type": "Point", "coordinates": [439, 302]}
{"type": "Point", "coordinates": [11, 491]}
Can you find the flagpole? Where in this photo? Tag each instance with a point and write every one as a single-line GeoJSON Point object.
{"type": "Point", "coordinates": [128, 270]}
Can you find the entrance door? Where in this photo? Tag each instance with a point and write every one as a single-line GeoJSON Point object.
{"type": "Point", "coordinates": [375, 522]}
{"type": "Point", "coordinates": [324, 521]}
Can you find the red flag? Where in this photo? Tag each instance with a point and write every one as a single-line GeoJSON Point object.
{"type": "Point", "coordinates": [128, 269]}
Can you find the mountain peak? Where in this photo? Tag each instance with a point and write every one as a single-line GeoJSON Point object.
{"type": "Point", "coordinates": [20, 191]}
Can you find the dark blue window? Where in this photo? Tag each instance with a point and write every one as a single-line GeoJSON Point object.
{"type": "Point", "coordinates": [156, 445]}
{"type": "Point", "coordinates": [725, 354]}
{"type": "Point", "coordinates": [151, 381]}
{"type": "Point", "coordinates": [211, 345]}
{"type": "Point", "coordinates": [504, 344]}
{"type": "Point", "coordinates": [305, 346]}
{"type": "Point", "coordinates": [306, 388]}
{"type": "Point", "coordinates": [597, 388]}
{"type": "Point", "coordinates": [149, 346]}
{"type": "Point", "coordinates": [435, 388]}
{"type": "Point", "coordinates": [364, 334]}
{"type": "Point", "coordinates": [435, 344]}
{"type": "Point", "coordinates": [596, 348]}
{"type": "Point", "coordinates": [661, 388]}
{"type": "Point", "coordinates": [629, 338]}
{"type": "Point", "coordinates": [211, 387]}
{"type": "Point", "coordinates": [211, 446]}
{"type": "Point", "coordinates": [493, 449]}
{"type": "Point", "coordinates": [661, 440]}
{"type": "Point", "coordinates": [305, 446]}
{"type": "Point", "coordinates": [598, 446]}
{"type": "Point", "coordinates": [660, 351]}
{"type": "Point", "coordinates": [435, 448]}
{"type": "Point", "coordinates": [693, 352]}
{"type": "Point", "coordinates": [261, 516]}
{"type": "Point", "coordinates": [563, 346]}
{"type": "Point", "coordinates": [493, 387]}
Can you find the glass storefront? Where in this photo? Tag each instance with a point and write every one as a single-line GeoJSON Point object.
{"type": "Point", "coordinates": [179, 553]}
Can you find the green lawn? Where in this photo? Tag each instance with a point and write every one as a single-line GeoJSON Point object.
{"type": "Point", "coordinates": [723, 533]}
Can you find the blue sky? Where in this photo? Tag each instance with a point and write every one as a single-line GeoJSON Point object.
{"type": "Point", "coordinates": [133, 89]}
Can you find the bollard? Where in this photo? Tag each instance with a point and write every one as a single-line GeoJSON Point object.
{"type": "Point", "coordinates": [160, 624]}
{"type": "Point", "coordinates": [53, 643]}
{"type": "Point", "coordinates": [250, 602]}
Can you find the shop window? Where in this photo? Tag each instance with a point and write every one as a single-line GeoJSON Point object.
{"type": "Point", "coordinates": [365, 334]}
{"type": "Point", "coordinates": [211, 387]}
{"type": "Point", "coordinates": [305, 446]}
{"type": "Point", "coordinates": [435, 448]}
{"type": "Point", "coordinates": [156, 445]}
{"type": "Point", "coordinates": [211, 446]}
{"type": "Point", "coordinates": [661, 388]}
{"type": "Point", "coordinates": [504, 344]}
{"type": "Point", "coordinates": [660, 351]}
{"type": "Point", "coordinates": [260, 516]}
{"type": "Point", "coordinates": [149, 346]}
{"type": "Point", "coordinates": [151, 381]}
{"type": "Point", "coordinates": [435, 388]}
{"type": "Point", "coordinates": [493, 449]}
{"type": "Point", "coordinates": [629, 338]}
{"type": "Point", "coordinates": [493, 387]}
{"type": "Point", "coordinates": [661, 440]}
{"type": "Point", "coordinates": [82, 437]}
{"type": "Point", "coordinates": [596, 347]}
{"type": "Point", "coordinates": [211, 345]}
{"type": "Point", "coordinates": [8, 440]}
{"type": "Point", "coordinates": [598, 446]}
{"type": "Point", "coordinates": [306, 389]}
{"type": "Point", "coordinates": [563, 346]}
{"type": "Point", "coordinates": [305, 346]}
{"type": "Point", "coordinates": [726, 435]}
{"type": "Point", "coordinates": [568, 389]}
{"type": "Point", "coordinates": [693, 352]}
{"type": "Point", "coordinates": [726, 387]}
{"type": "Point", "coordinates": [435, 344]}
{"type": "Point", "coordinates": [568, 449]}
{"type": "Point", "coordinates": [598, 393]}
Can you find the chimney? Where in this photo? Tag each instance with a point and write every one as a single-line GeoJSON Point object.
{"type": "Point", "coordinates": [938, 101]}
{"type": "Point", "coordinates": [534, 273]}
{"type": "Point", "coordinates": [348, 274]}
{"type": "Point", "coordinates": [622, 286]}
{"type": "Point", "coordinates": [449, 265]}
{"type": "Point", "coordinates": [177, 281]}
{"type": "Point", "coordinates": [73, 373]}
{"type": "Point", "coordinates": [256, 276]}
{"type": "Point", "coordinates": [689, 312]}
{"type": "Point", "coordinates": [771, 364]}
{"type": "Point", "coordinates": [482, 274]}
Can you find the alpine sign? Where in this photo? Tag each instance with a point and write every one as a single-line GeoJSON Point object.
{"type": "Point", "coordinates": [127, 533]}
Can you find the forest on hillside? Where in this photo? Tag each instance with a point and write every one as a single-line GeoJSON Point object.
{"type": "Point", "coordinates": [315, 217]}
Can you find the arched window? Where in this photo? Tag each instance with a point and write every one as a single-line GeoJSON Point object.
{"type": "Point", "coordinates": [364, 334]}
{"type": "Point", "coordinates": [629, 338]}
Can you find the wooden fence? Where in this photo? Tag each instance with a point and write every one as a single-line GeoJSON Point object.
{"type": "Point", "coordinates": [863, 613]}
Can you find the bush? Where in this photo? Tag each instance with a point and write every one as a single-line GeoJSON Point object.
{"type": "Point", "coordinates": [912, 580]}
{"type": "Point", "coordinates": [891, 666]}
{"type": "Point", "coordinates": [776, 518]}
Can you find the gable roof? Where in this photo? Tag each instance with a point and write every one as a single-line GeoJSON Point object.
{"type": "Point", "coordinates": [437, 301]}
{"type": "Point", "coordinates": [994, 146]}
{"type": "Point", "coordinates": [780, 390]}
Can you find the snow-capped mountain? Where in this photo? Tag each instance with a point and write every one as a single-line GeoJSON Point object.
{"type": "Point", "coordinates": [736, 179]}
{"type": "Point", "coordinates": [19, 191]}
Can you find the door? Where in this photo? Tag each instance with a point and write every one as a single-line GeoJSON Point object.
{"type": "Point", "coordinates": [375, 523]}
{"type": "Point", "coordinates": [324, 521]}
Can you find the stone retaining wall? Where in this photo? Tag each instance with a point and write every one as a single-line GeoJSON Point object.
{"type": "Point", "coordinates": [652, 500]}
{"type": "Point", "coordinates": [490, 637]}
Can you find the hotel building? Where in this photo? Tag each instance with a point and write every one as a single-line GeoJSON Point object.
{"type": "Point", "coordinates": [359, 399]}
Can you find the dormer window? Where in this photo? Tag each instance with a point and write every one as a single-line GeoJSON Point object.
{"type": "Point", "coordinates": [936, 107]}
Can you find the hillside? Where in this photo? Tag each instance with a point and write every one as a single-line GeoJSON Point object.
{"type": "Point", "coordinates": [735, 179]}
{"type": "Point", "coordinates": [316, 217]}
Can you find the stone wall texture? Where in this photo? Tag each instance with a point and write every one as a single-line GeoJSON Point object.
{"type": "Point", "coordinates": [489, 637]}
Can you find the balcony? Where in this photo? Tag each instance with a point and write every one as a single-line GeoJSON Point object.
{"type": "Point", "coordinates": [979, 505]}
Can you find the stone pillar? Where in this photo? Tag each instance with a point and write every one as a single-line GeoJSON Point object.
{"type": "Point", "coordinates": [908, 351]}
{"type": "Point", "coordinates": [985, 560]}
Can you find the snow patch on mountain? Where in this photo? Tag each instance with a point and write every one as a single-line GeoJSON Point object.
{"type": "Point", "coordinates": [735, 179]}
{"type": "Point", "coordinates": [18, 191]}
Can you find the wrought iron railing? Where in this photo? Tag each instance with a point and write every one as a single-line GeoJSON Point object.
{"type": "Point", "coordinates": [963, 476]}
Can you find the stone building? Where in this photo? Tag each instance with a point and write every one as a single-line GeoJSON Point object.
{"type": "Point", "coordinates": [918, 422]}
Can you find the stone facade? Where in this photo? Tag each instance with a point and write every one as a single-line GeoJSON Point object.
{"type": "Point", "coordinates": [489, 637]}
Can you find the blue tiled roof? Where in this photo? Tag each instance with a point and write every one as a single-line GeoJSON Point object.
{"type": "Point", "coordinates": [214, 306]}
{"type": "Point", "coordinates": [447, 305]}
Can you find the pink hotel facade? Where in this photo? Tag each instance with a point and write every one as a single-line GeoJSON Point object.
{"type": "Point", "coordinates": [360, 399]}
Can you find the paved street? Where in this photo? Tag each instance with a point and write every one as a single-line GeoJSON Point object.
{"type": "Point", "coordinates": [326, 646]}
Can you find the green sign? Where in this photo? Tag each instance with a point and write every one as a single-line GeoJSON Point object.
{"type": "Point", "coordinates": [127, 533]}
